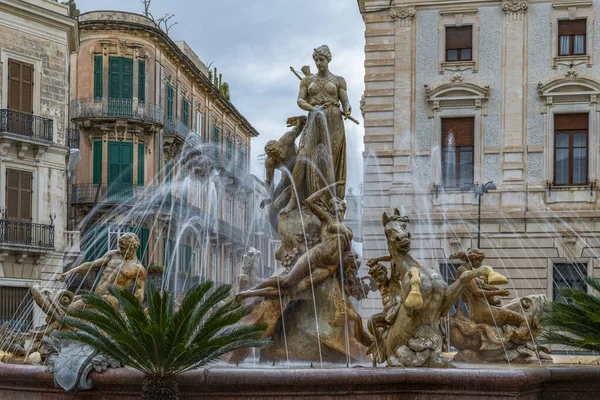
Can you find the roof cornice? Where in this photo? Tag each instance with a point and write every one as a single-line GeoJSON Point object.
{"type": "Point", "coordinates": [161, 35]}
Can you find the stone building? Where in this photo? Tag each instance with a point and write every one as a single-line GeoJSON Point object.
{"type": "Point", "coordinates": [463, 92]}
{"type": "Point", "coordinates": [36, 38]}
{"type": "Point", "coordinates": [144, 104]}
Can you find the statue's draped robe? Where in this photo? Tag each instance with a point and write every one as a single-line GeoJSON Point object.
{"type": "Point", "coordinates": [322, 150]}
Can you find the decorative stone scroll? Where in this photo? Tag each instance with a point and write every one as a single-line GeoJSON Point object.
{"type": "Point", "coordinates": [515, 6]}
{"type": "Point", "coordinates": [403, 15]}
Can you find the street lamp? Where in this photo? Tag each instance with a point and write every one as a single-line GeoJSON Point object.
{"type": "Point", "coordinates": [479, 190]}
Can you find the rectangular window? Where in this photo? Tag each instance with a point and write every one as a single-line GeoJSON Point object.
{"type": "Point", "coordinates": [19, 195]}
{"type": "Point", "coordinates": [457, 151]}
{"type": "Point", "coordinates": [448, 271]}
{"type": "Point", "coordinates": [459, 43]}
{"type": "Point", "coordinates": [571, 149]}
{"type": "Point", "coordinates": [215, 140]}
{"type": "Point", "coordinates": [120, 88]}
{"type": "Point", "coordinates": [185, 113]}
{"type": "Point", "coordinates": [97, 77]}
{"type": "Point", "coordinates": [141, 165]}
{"type": "Point", "coordinates": [185, 258]}
{"type": "Point", "coordinates": [241, 158]}
{"type": "Point", "coordinates": [20, 86]}
{"type": "Point", "coordinates": [142, 81]}
{"type": "Point", "coordinates": [200, 125]}
{"type": "Point", "coordinates": [120, 171]}
{"type": "Point", "coordinates": [568, 275]}
{"type": "Point", "coordinates": [16, 307]}
{"type": "Point", "coordinates": [571, 37]}
{"type": "Point", "coordinates": [229, 211]}
{"type": "Point", "coordinates": [229, 148]}
{"type": "Point", "coordinates": [170, 101]}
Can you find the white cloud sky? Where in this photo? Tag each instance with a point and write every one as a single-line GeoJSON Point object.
{"type": "Point", "coordinates": [254, 42]}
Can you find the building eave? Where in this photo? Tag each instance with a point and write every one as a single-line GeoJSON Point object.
{"type": "Point", "coordinates": [91, 25]}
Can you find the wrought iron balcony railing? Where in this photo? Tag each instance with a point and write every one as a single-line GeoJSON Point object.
{"type": "Point", "coordinates": [174, 127]}
{"type": "Point", "coordinates": [27, 125]}
{"type": "Point", "coordinates": [26, 234]}
{"type": "Point", "coordinates": [117, 108]}
{"type": "Point", "coordinates": [73, 138]}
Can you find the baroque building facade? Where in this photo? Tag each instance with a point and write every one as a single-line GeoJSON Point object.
{"type": "Point", "coordinates": [36, 38]}
{"type": "Point", "coordinates": [461, 93]}
{"type": "Point", "coordinates": [139, 100]}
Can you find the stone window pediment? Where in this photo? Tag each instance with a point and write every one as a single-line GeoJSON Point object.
{"type": "Point", "coordinates": [569, 89]}
{"type": "Point", "coordinates": [457, 93]}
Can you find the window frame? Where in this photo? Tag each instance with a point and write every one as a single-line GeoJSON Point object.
{"type": "Point", "coordinates": [570, 11]}
{"type": "Point", "coordinates": [458, 18]}
{"type": "Point", "coordinates": [571, 133]}
{"type": "Point", "coordinates": [572, 39]}
{"type": "Point", "coordinates": [457, 153]}
{"type": "Point", "coordinates": [459, 50]}
{"type": "Point", "coordinates": [37, 63]}
{"type": "Point", "coordinates": [573, 263]}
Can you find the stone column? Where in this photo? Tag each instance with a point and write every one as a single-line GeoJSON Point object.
{"type": "Point", "coordinates": [514, 106]}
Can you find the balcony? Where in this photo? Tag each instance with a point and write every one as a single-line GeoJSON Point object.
{"type": "Point", "coordinates": [112, 108]}
{"type": "Point", "coordinates": [26, 125]}
{"type": "Point", "coordinates": [28, 234]}
{"type": "Point", "coordinates": [73, 138]}
{"type": "Point", "coordinates": [175, 128]}
{"type": "Point", "coordinates": [90, 193]}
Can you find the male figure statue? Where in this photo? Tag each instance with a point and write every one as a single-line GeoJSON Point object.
{"type": "Point", "coordinates": [121, 268]}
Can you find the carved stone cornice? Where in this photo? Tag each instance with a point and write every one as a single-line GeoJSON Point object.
{"type": "Point", "coordinates": [515, 6]}
{"type": "Point", "coordinates": [405, 13]}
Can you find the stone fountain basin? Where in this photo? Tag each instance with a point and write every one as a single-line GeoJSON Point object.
{"type": "Point", "coordinates": [27, 382]}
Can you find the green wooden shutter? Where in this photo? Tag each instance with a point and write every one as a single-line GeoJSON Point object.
{"type": "Point", "coordinates": [168, 180]}
{"type": "Point", "coordinates": [142, 251]}
{"type": "Point", "coordinates": [185, 113]}
{"type": "Point", "coordinates": [98, 77]}
{"type": "Point", "coordinates": [114, 77]}
{"type": "Point", "coordinates": [215, 134]}
{"type": "Point", "coordinates": [127, 78]}
{"type": "Point", "coordinates": [96, 242]}
{"type": "Point", "coordinates": [142, 81]}
{"type": "Point", "coordinates": [120, 170]}
{"type": "Point", "coordinates": [97, 161]}
{"type": "Point", "coordinates": [169, 101]}
{"type": "Point", "coordinates": [229, 148]}
{"type": "Point", "coordinates": [141, 167]}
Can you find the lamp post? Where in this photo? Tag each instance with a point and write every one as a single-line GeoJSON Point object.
{"type": "Point", "coordinates": [479, 190]}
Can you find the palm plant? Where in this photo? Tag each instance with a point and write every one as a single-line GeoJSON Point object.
{"type": "Point", "coordinates": [574, 323]}
{"type": "Point", "coordinates": [164, 342]}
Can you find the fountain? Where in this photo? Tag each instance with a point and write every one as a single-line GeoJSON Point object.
{"type": "Point", "coordinates": [309, 304]}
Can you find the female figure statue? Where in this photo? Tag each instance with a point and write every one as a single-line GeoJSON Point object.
{"type": "Point", "coordinates": [320, 261]}
{"type": "Point", "coordinates": [322, 151]}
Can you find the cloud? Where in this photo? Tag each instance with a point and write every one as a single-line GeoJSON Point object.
{"type": "Point", "coordinates": [253, 44]}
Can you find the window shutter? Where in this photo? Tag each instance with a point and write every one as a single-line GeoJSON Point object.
{"type": "Point", "coordinates": [142, 81]}
{"type": "Point", "coordinates": [185, 113]}
{"type": "Point", "coordinates": [18, 195]}
{"type": "Point", "coordinates": [27, 88]}
{"type": "Point", "coordinates": [114, 76]}
{"type": "Point", "coordinates": [127, 78]}
{"type": "Point", "coordinates": [14, 85]}
{"type": "Point", "coordinates": [141, 166]}
{"type": "Point", "coordinates": [462, 130]}
{"type": "Point", "coordinates": [569, 122]}
{"type": "Point", "coordinates": [215, 134]}
{"type": "Point", "coordinates": [20, 86]}
{"type": "Point", "coordinates": [169, 101]}
{"type": "Point", "coordinates": [98, 77]}
{"type": "Point", "coordinates": [574, 27]}
{"type": "Point", "coordinates": [12, 194]}
{"type": "Point", "coordinates": [459, 38]}
{"type": "Point", "coordinates": [97, 174]}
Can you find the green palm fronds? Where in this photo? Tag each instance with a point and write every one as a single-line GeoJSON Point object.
{"type": "Point", "coordinates": [164, 341]}
{"type": "Point", "coordinates": [574, 323]}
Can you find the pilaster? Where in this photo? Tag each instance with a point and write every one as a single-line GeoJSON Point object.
{"type": "Point", "coordinates": [514, 104]}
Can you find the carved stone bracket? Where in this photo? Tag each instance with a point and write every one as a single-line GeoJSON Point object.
{"type": "Point", "coordinates": [515, 6]}
{"type": "Point", "coordinates": [403, 15]}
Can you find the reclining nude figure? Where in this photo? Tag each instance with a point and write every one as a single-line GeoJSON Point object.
{"type": "Point", "coordinates": [320, 261]}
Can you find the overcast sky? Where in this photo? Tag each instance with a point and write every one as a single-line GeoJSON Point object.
{"type": "Point", "coordinates": [254, 42]}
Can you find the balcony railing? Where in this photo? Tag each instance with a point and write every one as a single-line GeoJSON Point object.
{"type": "Point", "coordinates": [27, 125]}
{"type": "Point", "coordinates": [115, 193]}
{"type": "Point", "coordinates": [73, 138]}
{"type": "Point", "coordinates": [117, 108]}
{"type": "Point", "coordinates": [26, 234]}
{"type": "Point", "coordinates": [174, 127]}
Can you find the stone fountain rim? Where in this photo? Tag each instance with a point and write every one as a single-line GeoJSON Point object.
{"type": "Point", "coordinates": [247, 382]}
